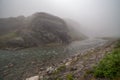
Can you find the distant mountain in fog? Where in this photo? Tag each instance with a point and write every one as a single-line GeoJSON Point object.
{"type": "Point", "coordinates": [35, 30]}
{"type": "Point", "coordinates": [74, 30]}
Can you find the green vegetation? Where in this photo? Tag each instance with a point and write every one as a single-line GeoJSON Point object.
{"type": "Point", "coordinates": [59, 69]}
{"type": "Point", "coordinates": [117, 44]}
{"type": "Point", "coordinates": [70, 77]}
{"type": "Point", "coordinates": [8, 36]}
{"type": "Point", "coordinates": [109, 66]}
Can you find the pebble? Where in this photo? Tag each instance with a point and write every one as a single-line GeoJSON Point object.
{"type": "Point", "coordinates": [68, 63]}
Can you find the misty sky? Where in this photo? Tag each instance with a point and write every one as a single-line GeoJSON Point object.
{"type": "Point", "coordinates": [96, 17]}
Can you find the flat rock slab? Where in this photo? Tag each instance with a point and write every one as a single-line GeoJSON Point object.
{"type": "Point", "coordinates": [33, 78]}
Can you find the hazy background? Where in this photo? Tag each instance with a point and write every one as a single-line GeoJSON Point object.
{"type": "Point", "coordinates": [96, 17]}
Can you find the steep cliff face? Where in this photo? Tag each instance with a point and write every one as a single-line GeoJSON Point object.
{"type": "Point", "coordinates": [35, 30]}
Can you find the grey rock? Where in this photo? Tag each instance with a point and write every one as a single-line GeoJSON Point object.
{"type": "Point", "coordinates": [33, 78]}
{"type": "Point", "coordinates": [49, 70]}
{"type": "Point", "coordinates": [35, 30]}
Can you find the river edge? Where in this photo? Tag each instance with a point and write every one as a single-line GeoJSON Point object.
{"type": "Point", "coordinates": [77, 66]}
{"type": "Point", "coordinates": [33, 67]}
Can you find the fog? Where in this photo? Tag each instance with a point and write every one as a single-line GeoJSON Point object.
{"type": "Point", "coordinates": [97, 18]}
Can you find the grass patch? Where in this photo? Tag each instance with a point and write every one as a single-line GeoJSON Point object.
{"type": "Point", "coordinates": [87, 72]}
{"type": "Point", "coordinates": [117, 44]}
{"type": "Point", "coordinates": [109, 66]}
{"type": "Point", "coordinates": [69, 76]}
{"type": "Point", "coordinates": [59, 69]}
{"type": "Point", "coordinates": [8, 36]}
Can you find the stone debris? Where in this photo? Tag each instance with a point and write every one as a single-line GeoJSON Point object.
{"type": "Point", "coordinates": [68, 63]}
{"type": "Point", "coordinates": [50, 70]}
{"type": "Point", "coordinates": [77, 65]}
{"type": "Point", "coordinates": [33, 78]}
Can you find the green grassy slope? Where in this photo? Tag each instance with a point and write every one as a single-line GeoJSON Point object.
{"type": "Point", "coordinates": [109, 66]}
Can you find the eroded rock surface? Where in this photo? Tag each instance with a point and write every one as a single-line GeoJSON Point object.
{"type": "Point", "coordinates": [35, 30]}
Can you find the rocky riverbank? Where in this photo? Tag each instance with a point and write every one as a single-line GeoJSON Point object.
{"type": "Point", "coordinates": [77, 67]}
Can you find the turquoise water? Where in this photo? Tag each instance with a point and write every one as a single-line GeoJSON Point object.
{"type": "Point", "coordinates": [25, 61]}
{"type": "Point", "coordinates": [15, 65]}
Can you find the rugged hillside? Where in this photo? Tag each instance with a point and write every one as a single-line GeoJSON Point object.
{"type": "Point", "coordinates": [35, 30]}
{"type": "Point", "coordinates": [8, 25]}
{"type": "Point", "coordinates": [44, 28]}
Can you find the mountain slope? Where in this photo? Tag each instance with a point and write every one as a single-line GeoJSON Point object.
{"type": "Point", "coordinates": [36, 30]}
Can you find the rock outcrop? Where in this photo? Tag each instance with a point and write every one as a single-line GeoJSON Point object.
{"type": "Point", "coordinates": [36, 30]}
{"type": "Point", "coordinates": [43, 28]}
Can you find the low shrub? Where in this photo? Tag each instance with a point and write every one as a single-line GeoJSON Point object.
{"type": "Point", "coordinates": [109, 66]}
{"type": "Point", "coordinates": [117, 44]}
{"type": "Point", "coordinates": [69, 77]}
